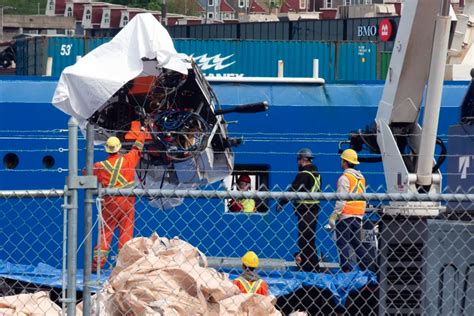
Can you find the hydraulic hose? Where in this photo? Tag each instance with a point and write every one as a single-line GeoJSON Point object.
{"type": "Point", "coordinates": [442, 154]}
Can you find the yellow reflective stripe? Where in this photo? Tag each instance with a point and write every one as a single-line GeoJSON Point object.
{"type": "Point", "coordinates": [250, 288]}
{"type": "Point", "coordinates": [256, 285]}
{"type": "Point", "coordinates": [119, 177]}
{"type": "Point", "coordinates": [359, 185]}
{"type": "Point", "coordinates": [117, 167]}
{"type": "Point", "coordinates": [122, 181]}
{"type": "Point", "coordinates": [101, 252]}
{"type": "Point", "coordinates": [111, 169]}
{"type": "Point", "coordinates": [107, 166]}
{"type": "Point", "coordinates": [138, 144]}
{"type": "Point", "coordinates": [314, 188]}
{"type": "Point", "coordinates": [128, 185]}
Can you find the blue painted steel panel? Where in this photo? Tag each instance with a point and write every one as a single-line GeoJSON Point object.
{"type": "Point", "coordinates": [332, 110]}
{"type": "Point", "coordinates": [64, 51]}
{"type": "Point", "coordinates": [260, 58]}
{"type": "Point", "coordinates": [357, 61]}
{"type": "Point", "coordinates": [460, 164]}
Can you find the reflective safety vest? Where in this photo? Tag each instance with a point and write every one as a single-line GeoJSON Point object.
{"type": "Point", "coordinates": [356, 186]}
{"type": "Point", "coordinates": [248, 205]}
{"type": "Point", "coordinates": [117, 180]}
{"type": "Point", "coordinates": [249, 287]}
{"type": "Point", "coordinates": [314, 188]}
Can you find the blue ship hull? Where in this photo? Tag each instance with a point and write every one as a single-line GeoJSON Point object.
{"type": "Point", "coordinates": [300, 115]}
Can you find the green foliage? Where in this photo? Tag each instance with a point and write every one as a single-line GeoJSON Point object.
{"type": "Point", "coordinates": [24, 6]}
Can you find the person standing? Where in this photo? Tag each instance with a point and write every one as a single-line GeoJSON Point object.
{"type": "Point", "coordinates": [308, 179]}
{"type": "Point", "coordinates": [249, 282]}
{"type": "Point", "coordinates": [117, 171]}
{"type": "Point", "coordinates": [347, 215]}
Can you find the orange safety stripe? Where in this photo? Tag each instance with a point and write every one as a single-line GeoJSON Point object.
{"type": "Point", "coordinates": [250, 288]}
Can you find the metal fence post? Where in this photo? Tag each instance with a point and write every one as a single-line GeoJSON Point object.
{"type": "Point", "coordinates": [88, 202]}
{"type": "Point", "coordinates": [72, 220]}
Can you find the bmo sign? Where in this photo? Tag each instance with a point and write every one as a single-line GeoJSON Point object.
{"type": "Point", "coordinates": [384, 30]}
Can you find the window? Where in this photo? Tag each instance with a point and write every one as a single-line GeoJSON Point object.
{"type": "Point", "coordinates": [48, 162]}
{"type": "Point", "coordinates": [125, 20]}
{"type": "Point", "coordinates": [210, 3]}
{"type": "Point", "coordinates": [328, 4]}
{"type": "Point", "coordinates": [258, 175]}
{"type": "Point", "coordinates": [69, 11]}
{"type": "Point", "coordinates": [88, 14]}
{"type": "Point", "coordinates": [302, 4]}
{"type": "Point", "coordinates": [210, 15]}
{"type": "Point", "coordinates": [10, 161]}
{"type": "Point", "coordinates": [106, 18]}
{"type": "Point", "coordinates": [241, 3]}
{"type": "Point", "coordinates": [51, 5]}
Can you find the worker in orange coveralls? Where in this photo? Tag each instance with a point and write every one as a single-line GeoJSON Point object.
{"type": "Point", "coordinates": [117, 171]}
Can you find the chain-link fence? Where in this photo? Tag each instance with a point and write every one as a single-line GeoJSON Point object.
{"type": "Point", "coordinates": [185, 259]}
{"type": "Point", "coordinates": [381, 263]}
{"type": "Point", "coordinates": [32, 234]}
{"type": "Point", "coordinates": [407, 254]}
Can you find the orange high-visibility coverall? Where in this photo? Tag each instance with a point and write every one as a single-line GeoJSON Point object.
{"type": "Point", "coordinates": [117, 171]}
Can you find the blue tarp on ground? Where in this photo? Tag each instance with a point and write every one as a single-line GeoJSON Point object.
{"type": "Point", "coordinates": [339, 283]}
{"type": "Point", "coordinates": [280, 282]}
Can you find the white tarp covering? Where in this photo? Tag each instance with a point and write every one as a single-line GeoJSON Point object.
{"type": "Point", "coordinates": [86, 86]}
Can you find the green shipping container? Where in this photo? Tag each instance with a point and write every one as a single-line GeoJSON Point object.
{"type": "Point", "coordinates": [384, 58]}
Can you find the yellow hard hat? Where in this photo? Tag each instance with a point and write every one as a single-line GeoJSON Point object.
{"type": "Point", "coordinates": [113, 145]}
{"type": "Point", "coordinates": [250, 259]}
{"type": "Point", "coordinates": [350, 155]}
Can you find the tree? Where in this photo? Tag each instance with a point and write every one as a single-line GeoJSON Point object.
{"type": "Point", "coordinates": [273, 4]}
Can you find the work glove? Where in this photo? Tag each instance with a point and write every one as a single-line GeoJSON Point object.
{"type": "Point", "coordinates": [331, 225]}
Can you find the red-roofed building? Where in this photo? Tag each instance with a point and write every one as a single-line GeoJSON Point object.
{"type": "Point", "coordinates": [55, 7]}
{"type": "Point", "coordinates": [226, 12]}
{"type": "Point", "coordinates": [92, 15]}
{"type": "Point", "coordinates": [257, 8]}
{"type": "Point", "coordinates": [112, 17]}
